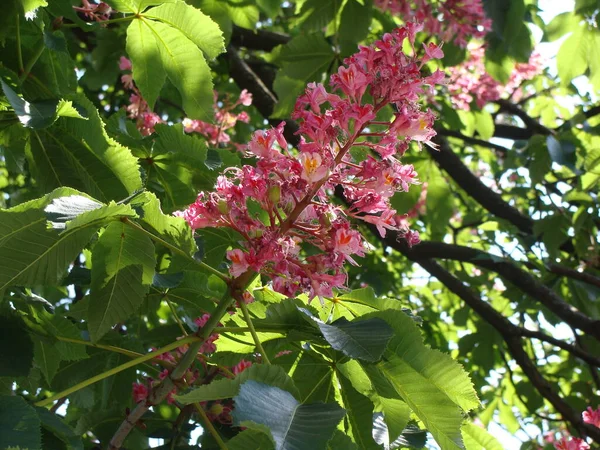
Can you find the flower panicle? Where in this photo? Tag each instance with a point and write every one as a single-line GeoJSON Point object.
{"type": "Point", "coordinates": [283, 202]}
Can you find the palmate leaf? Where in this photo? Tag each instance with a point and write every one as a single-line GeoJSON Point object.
{"type": "Point", "coordinates": [439, 368]}
{"type": "Point", "coordinates": [16, 347]}
{"type": "Point", "coordinates": [173, 39]}
{"type": "Point", "coordinates": [31, 253]}
{"type": "Point", "coordinates": [385, 399]}
{"type": "Point", "coordinates": [193, 24]}
{"type": "Point", "coordinates": [250, 440]}
{"type": "Point", "coordinates": [359, 412]}
{"type": "Point", "coordinates": [364, 339]}
{"type": "Point", "coordinates": [76, 211]}
{"type": "Point", "coordinates": [117, 300]}
{"type": "Point", "coordinates": [39, 114]}
{"type": "Point", "coordinates": [477, 438]}
{"type": "Point", "coordinates": [80, 154]}
{"type": "Point", "coordinates": [293, 426]}
{"type": "Point", "coordinates": [431, 383]}
{"type": "Point", "coordinates": [55, 425]}
{"type": "Point", "coordinates": [174, 230]}
{"type": "Point", "coordinates": [123, 264]}
{"type": "Point", "coordinates": [437, 412]}
{"type": "Point", "coordinates": [19, 424]}
{"type": "Point", "coordinates": [148, 71]}
{"type": "Point", "coordinates": [228, 388]}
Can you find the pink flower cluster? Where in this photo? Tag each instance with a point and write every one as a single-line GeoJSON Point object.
{"type": "Point", "coordinates": [140, 391]}
{"type": "Point", "coordinates": [98, 12]}
{"type": "Point", "coordinates": [283, 202]}
{"type": "Point", "coordinates": [138, 109]}
{"type": "Point", "coordinates": [225, 119]}
{"type": "Point", "coordinates": [449, 20]}
{"type": "Point", "coordinates": [571, 443]}
{"type": "Point", "coordinates": [590, 416]}
{"type": "Point", "coordinates": [469, 80]}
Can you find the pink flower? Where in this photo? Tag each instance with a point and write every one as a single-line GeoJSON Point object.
{"type": "Point", "coordinates": [239, 264]}
{"type": "Point", "coordinates": [432, 51]}
{"type": "Point", "coordinates": [124, 63]}
{"type": "Point", "coordinates": [140, 392]}
{"type": "Point", "coordinates": [573, 443]}
{"type": "Point", "coordinates": [241, 366]}
{"type": "Point", "coordinates": [245, 98]}
{"type": "Point", "coordinates": [313, 168]}
{"type": "Point", "coordinates": [592, 416]}
{"type": "Point", "coordinates": [208, 345]}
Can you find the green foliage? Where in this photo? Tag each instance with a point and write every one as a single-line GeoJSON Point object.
{"type": "Point", "coordinates": [96, 269]}
{"type": "Point", "coordinates": [292, 425]}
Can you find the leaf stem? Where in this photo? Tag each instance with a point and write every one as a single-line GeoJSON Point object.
{"type": "Point", "coordinates": [177, 250]}
{"type": "Point", "coordinates": [175, 316]}
{"type": "Point", "coordinates": [248, 320]}
{"type": "Point", "coordinates": [38, 52]}
{"type": "Point", "coordinates": [210, 427]}
{"type": "Point", "coordinates": [19, 51]}
{"type": "Point", "coordinates": [110, 348]}
{"type": "Point", "coordinates": [122, 367]}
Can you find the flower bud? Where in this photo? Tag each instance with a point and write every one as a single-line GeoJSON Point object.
{"type": "Point", "coordinates": [223, 207]}
{"type": "Point", "coordinates": [274, 194]}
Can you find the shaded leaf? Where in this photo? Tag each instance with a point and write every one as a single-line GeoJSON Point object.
{"type": "Point", "coordinates": [293, 426]}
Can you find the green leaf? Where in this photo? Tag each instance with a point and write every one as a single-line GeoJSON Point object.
{"type": "Point", "coordinates": [316, 14]}
{"type": "Point", "coordinates": [340, 441]}
{"type": "Point", "coordinates": [79, 154]}
{"type": "Point", "coordinates": [439, 368]}
{"type": "Point", "coordinates": [47, 358]}
{"type": "Point", "coordinates": [32, 254]}
{"type": "Point", "coordinates": [172, 229]}
{"type": "Point", "coordinates": [143, 4]}
{"type": "Point", "coordinates": [193, 24]}
{"type": "Point", "coordinates": [50, 326]}
{"type": "Point", "coordinates": [30, 6]}
{"type": "Point", "coordinates": [117, 300]}
{"type": "Point", "coordinates": [121, 245]}
{"type": "Point", "coordinates": [180, 166]}
{"type": "Point", "coordinates": [186, 67]}
{"type": "Point", "coordinates": [148, 71]}
{"type": "Point", "coordinates": [123, 267]}
{"type": "Point", "coordinates": [228, 388]}
{"type": "Point", "coordinates": [572, 59]}
{"type": "Point", "coordinates": [41, 114]}
{"type": "Point", "coordinates": [354, 22]}
{"type": "Point", "coordinates": [561, 152]}
{"type": "Point", "coordinates": [293, 426]}
{"type": "Point", "coordinates": [125, 6]}
{"type": "Point", "coordinates": [19, 424]}
{"type": "Point", "coordinates": [16, 347]}
{"type": "Point", "coordinates": [250, 440]}
{"type": "Point", "coordinates": [76, 211]}
{"type": "Point", "coordinates": [305, 58]}
{"type": "Point", "coordinates": [359, 412]}
{"type": "Point", "coordinates": [484, 124]}
{"type": "Point", "coordinates": [560, 25]}
{"type": "Point", "coordinates": [243, 14]}
{"type": "Point", "coordinates": [313, 376]}
{"type": "Point", "coordinates": [55, 425]}
{"type": "Point", "coordinates": [477, 438]}
{"type": "Point", "coordinates": [364, 339]}
{"type": "Point", "coordinates": [437, 412]}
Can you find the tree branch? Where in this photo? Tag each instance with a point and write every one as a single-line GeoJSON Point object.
{"type": "Point", "coordinates": [472, 185]}
{"type": "Point", "coordinates": [257, 39]}
{"type": "Point", "coordinates": [511, 335]}
{"type": "Point", "coordinates": [471, 140]}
